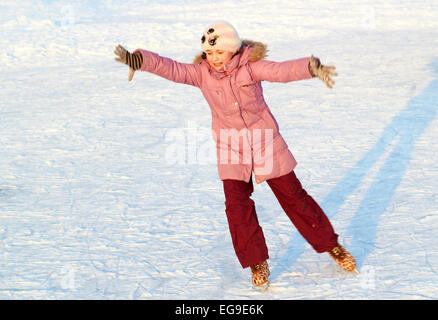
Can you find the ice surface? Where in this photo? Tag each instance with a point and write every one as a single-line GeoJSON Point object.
{"type": "Point", "coordinates": [92, 207]}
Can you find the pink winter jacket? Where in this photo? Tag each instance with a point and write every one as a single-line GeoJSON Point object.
{"type": "Point", "coordinates": [246, 134]}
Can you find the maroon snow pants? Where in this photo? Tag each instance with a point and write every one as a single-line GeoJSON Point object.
{"type": "Point", "coordinates": [246, 233]}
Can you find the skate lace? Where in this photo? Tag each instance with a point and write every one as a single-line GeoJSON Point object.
{"type": "Point", "coordinates": [258, 266]}
{"type": "Point", "coordinates": [337, 252]}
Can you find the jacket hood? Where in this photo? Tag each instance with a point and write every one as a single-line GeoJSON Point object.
{"type": "Point", "coordinates": [258, 51]}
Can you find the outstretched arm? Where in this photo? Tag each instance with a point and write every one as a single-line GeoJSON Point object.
{"type": "Point", "coordinates": [293, 70]}
{"type": "Point", "coordinates": [145, 60]}
{"type": "Point", "coordinates": [287, 71]}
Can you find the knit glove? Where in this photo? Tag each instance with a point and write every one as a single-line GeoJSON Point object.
{"type": "Point", "coordinates": [134, 61]}
{"type": "Point", "coordinates": [323, 72]}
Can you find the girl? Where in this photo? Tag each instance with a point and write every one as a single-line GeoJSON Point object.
{"type": "Point", "coordinates": [229, 73]}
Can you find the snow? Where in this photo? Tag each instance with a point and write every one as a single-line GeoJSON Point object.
{"type": "Point", "coordinates": [99, 201]}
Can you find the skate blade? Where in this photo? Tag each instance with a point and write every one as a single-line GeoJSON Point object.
{"type": "Point", "coordinates": [263, 287]}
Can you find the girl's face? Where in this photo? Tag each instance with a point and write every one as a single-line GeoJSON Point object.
{"type": "Point", "coordinates": [218, 58]}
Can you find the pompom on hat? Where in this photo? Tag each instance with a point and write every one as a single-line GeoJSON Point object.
{"type": "Point", "coordinates": [221, 36]}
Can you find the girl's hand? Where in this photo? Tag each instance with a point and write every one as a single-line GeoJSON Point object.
{"type": "Point", "coordinates": [323, 72]}
{"type": "Point", "coordinates": [134, 61]}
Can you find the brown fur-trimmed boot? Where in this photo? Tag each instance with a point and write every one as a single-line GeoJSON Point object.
{"type": "Point", "coordinates": [343, 258]}
{"type": "Point", "coordinates": [260, 275]}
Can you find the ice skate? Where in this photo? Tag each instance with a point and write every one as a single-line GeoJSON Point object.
{"type": "Point", "coordinates": [260, 275]}
{"type": "Point", "coordinates": [343, 258]}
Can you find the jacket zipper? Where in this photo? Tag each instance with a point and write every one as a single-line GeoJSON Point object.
{"type": "Point", "coordinates": [238, 104]}
{"type": "Point", "coordinates": [246, 125]}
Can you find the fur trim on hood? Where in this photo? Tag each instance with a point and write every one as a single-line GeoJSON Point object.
{"type": "Point", "coordinates": [258, 52]}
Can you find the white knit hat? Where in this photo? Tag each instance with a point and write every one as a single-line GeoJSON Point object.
{"type": "Point", "coordinates": [221, 36]}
